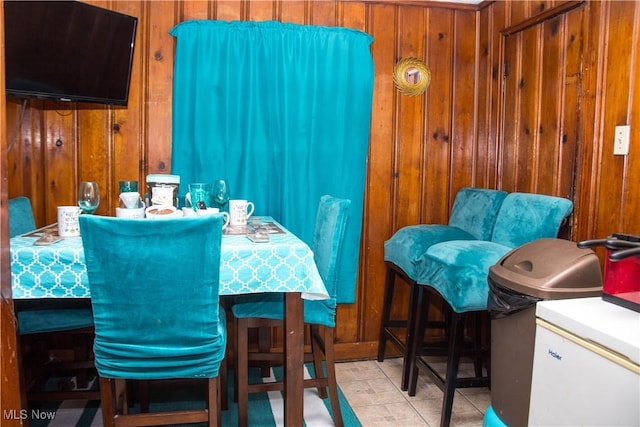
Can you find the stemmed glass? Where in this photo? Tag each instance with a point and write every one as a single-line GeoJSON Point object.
{"type": "Point", "coordinates": [88, 196]}
{"type": "Point", "coordinates": [220, 193]}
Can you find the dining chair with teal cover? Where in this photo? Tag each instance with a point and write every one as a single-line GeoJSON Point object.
{"type": "Point", "coordinates": [39, 320]}
{"type": "Point", "coordinates": [473, 216]}
{"type": "Point", "coordinates": [457, 271]}
{"type": "Point", "coordinates": [154, 288]}
{"type": "Point", "coordinates": [21, 218]}
{"type": "Point", "coordinates": [267, 310]}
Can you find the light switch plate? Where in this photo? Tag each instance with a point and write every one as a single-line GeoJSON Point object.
{"type": "Point", "coordinates": [621, 140]}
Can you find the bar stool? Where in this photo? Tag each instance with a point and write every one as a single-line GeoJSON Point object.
{"type": "Point", "coordinates": [472, 218]}
{"type": "Point", "coordinates": [457, 270]}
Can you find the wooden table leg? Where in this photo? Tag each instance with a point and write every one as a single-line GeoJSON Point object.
{"type": "Point", "coordinates": [294, 359]}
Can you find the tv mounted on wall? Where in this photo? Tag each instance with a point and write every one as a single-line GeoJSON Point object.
{"type": "Point", "coordinates": [68, 51]}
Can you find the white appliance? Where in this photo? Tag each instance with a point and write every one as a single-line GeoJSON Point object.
{"type": "Point", "coordinates": [586, 364]}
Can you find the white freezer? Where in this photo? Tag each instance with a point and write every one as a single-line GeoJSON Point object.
{"type": "Point", "coordinates": [586, 364]}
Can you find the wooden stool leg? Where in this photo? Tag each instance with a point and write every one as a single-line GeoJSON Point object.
{"type": "Point", "coordinates": [416, 319]}
{"type": "Point", "coordinates": [386, 311]}
{"type": "Point", "coordinates": [419, 325]}
{"type": "Point", "coordinates": [453, 359]}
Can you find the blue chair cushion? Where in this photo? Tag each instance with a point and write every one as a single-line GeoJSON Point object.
{"type": "Point", "coordinates": [406, 248]}
{"type": "Point", "coordinates": [458, 270]}
{"type": "Point", "coordinates": [475, 211]}
{"type": "Point", "coordinates": [472, 218]}
{"type": "Point", "coordinates": [526, 217]}
{"type": "Point", "coordinates": [53, 320]}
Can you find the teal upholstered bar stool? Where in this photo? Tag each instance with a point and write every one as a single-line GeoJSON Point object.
{"type": "Point", "coordinates": [472, 218]}
{"type": "Point", "coordinates": [154, 287]}
{"type": "Point", "coordinates": [267, 310]}
{"type": "Point", "coordinates": [37, 320]}
{"type": "Point", "coordinates": [457, 271]}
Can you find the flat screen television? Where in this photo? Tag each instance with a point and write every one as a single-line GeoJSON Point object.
{"type": "Point", "coordinates": [68, 51]}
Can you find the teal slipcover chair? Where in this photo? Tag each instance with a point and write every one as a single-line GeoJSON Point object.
{"type": "Point", "coordinates": [154, 287]}
{"type": "Point", "coordinates": [267, 310]}
{"type": "Point", "coordinates": [472, 218]}
{"type": "Point", "coordinates": [20, 216]}
{"type": "Point", "coordinates": [44, 316]}
{"type": "Point", "coordinates": [457, 270]}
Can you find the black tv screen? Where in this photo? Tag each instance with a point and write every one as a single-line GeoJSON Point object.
{"type": "Point", "coordinates": [68, 51]}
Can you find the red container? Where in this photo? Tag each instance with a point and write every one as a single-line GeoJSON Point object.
{"type": "Point", "coordinates": [622, 271]}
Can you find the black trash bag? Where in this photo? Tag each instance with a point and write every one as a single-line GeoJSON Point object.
{"type": "Point", "coordinates": [503, 301]}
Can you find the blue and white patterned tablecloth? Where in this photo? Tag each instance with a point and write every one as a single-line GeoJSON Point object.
{"type": "Point", "coordinates": [284, 264]}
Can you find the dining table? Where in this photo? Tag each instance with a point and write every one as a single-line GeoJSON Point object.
{"type": "Point", "coordinates": [283, 264]}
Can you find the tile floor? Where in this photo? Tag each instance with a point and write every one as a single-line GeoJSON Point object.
{"type": "Point", "coordinates": [373, 391]}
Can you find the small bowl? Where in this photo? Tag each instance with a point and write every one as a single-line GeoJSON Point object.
{"type": "Point", "coordinates": [130, 213]}
{"type": "Point", "coordinates": [162, 212]}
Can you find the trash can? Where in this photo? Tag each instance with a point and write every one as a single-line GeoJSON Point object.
{"type": "Point", "coordinates": [546, 269]}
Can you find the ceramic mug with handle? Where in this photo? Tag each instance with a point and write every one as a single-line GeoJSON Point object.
{"type": "Point", "coordinates": [69, 221]}
{"type": "Point", "coordinates": [240, 211]}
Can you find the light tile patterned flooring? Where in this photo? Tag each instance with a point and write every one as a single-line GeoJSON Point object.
{"type": "Point", "coordinates": [373, 391]}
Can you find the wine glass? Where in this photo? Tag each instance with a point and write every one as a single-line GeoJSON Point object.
{"type": "Point", "coordinates": [88, 196]}
{"type": "Point", "coordinates": [220, 193]}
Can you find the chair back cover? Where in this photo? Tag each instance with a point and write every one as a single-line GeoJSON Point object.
{"type": "Point", "coordinates": [475, 211]}
{"type": "Point", "coordinates": [525, 217]}
{"type": "Point", "coordinates": [328, 235]}
{"type": "Point", "coordinates": [20, 216]}
{"type": "Point", "coordinates": [154, 289]}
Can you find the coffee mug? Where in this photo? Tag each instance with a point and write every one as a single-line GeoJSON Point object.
{"type": "Point", "coordinates": [240, 211]}
{"type": "Point", "coordinates": [199, 192]}
{"type": "Point", "coordinates": [214, 211]}
{"type": "Point", "coordinates": [68, 221]}
{"type": "Point", "coordinates": [130, 200]}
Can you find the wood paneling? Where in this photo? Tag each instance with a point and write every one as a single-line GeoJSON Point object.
{"type": "Point", "coordinates": [422, 149]}
{"type": "Point", "coordinates": [10, 396]}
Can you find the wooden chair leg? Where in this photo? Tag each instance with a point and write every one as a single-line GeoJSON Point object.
{"type": "Point", "coordinates": [108, 403]}
{"type": "Point", "coordinates": [242, 371]}
{"type": "Point", "coordinates": [213, 395]}
{"type": "Point", "coordinates": [143, 390]}
{"type": "Point", "coordinates": [453, 360]}
{"type": "Point", "coordinates": [331, 376]}
{"type": "Point", "coordinates": [264, 346]}
{"type": "Point", "coordinates": [223, 385]}
{"type": "Point", "coordinates": [318, 349]}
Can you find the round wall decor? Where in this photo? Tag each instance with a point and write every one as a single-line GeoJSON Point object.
{"type": "Point", "coordinates": [411, 76]}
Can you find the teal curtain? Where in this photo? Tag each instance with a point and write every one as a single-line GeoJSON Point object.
{"type": "Point", "coordinates": [282, 112]}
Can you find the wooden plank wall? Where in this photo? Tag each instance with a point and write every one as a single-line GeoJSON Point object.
{"type": "Point", "coordinates": [423, 149]}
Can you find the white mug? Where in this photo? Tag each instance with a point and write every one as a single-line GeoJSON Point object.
{"type": "Point", "coordinates": [240, 211]}
{"type": "Point", "coordinates": [214, 211]}
{"type": "Point", "coordinates": [68, 221]}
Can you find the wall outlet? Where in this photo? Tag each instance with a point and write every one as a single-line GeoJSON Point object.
{"type": "Point", "coordinates": [621, 140]}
